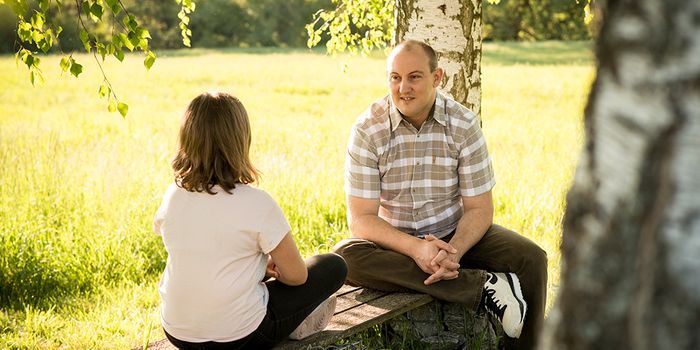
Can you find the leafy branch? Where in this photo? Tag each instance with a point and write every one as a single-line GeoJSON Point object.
{"type": "Point", "coordinates": [127, 33]}
{"type": "Point", "coordinates": [357, 26]}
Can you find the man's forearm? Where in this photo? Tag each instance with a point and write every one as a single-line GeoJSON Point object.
{"type": "Point", "coordinates": [375, 229]}
{"type": "Point", "coordinates": [470, 229]}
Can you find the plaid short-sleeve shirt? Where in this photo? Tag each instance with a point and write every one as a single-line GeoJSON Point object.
{"type": "Point", "coordinates": [419, 176]}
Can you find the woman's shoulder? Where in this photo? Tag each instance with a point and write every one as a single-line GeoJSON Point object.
{"type": "Point", "coordinates": [253, 193]}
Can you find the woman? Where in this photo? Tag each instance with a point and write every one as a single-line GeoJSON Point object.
{"type": "Point", "coordinates": [224, 238]}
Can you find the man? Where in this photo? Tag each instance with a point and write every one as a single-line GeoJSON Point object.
{"type": "Point", "coordinates": [418, 180]}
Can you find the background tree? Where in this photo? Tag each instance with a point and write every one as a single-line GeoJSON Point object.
{"type": "Point", "coordinates": [536, 20]}
{"type": "Point", "coordinates": [631, 272]}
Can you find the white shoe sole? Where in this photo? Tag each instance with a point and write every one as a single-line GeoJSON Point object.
{"type": "Point", "coordinates": [317, 319]}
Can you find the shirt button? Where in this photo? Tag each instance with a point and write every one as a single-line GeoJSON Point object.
{"type": "Point", "coordinates": [417, 163]}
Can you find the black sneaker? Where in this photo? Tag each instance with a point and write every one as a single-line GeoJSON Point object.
{"type": "Point", "coordinates": [504, 299]}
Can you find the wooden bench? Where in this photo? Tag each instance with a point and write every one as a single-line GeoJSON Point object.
{"type": "Point", "coordinates": [356, 310]}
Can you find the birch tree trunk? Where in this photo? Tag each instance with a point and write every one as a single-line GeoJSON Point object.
{"type": "Point", "coordinates": [631, 245]}
{"type": "Point", "coordinates": [453, 29]}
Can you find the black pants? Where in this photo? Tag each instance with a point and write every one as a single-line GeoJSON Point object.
{"type": "Point", "coordinates": [287, 306]}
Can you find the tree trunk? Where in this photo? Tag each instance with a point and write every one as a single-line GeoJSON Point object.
{"type": "Point", "coordinates": [453, 29]}
{"type": "Point", "coordinates": [631, 244]}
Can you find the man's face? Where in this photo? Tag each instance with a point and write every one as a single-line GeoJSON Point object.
{"type": "Point", "coordinates": [411, 83]}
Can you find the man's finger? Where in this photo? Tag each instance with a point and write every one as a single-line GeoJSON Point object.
{"type": "Point", "coordinates": [449, 264]}
{"type": "Point", "coordinates": [444, 246]}
{"type": "Point", "coordinates": [439, 257]}
{"type": "Point", "coordinates": [437, 276]}
{"type": "Point", "coordinates": [451, 275]}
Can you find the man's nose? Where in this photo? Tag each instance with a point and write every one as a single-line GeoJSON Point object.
{"type": "Point", "coordinates": [404, 86]}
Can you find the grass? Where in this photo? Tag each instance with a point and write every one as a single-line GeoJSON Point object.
{"type": "Point", "coordinates": [79, 266]}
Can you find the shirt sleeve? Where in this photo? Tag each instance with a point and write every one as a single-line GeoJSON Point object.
{"type": "Point", "coordinates": [474, 166]}
{"type": "Point", "coordinates": [361, 166]}
{"type": "Point", "coordinates": [274, 227]}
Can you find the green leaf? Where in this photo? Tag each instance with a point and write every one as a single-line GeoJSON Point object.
{"type": "Point", "coordinates": [143, 33]}
{"type": "Point", "coordinates": [133, 38]}
{"type": "Point", "coordinates": [119, 54]}
{"type": "Point", "coordinates": [24, 31]}
{"type": "Point", "coordinates": [130, 22]}
{"type": "Point", "coordinates": [96, 10]}
{"type": "Point", "coordinates": [150, 59]}
{"type": "Point", "coordinates": [114, 5]}
{"type": "Point", "coordinates": [65, 64]}
{"type": "Point", "coordinates": [31, 77]}
{"type": "Point", "coordinates": [37, 36]}
{"type": "Point", "coordinates": [85, 38]}
{"type": "Point", "coordinates": [112, 107]}
{"type": "Point", "coordinates": [85, 5]}
{"type": "Point", "coordinates": [125, 40]}
{"type": "Point", "coordinates": [103, 91]}
{"type": "Point", "coordinates": [43, 4]}
{"type": "Point", "coordinates": [102, 50]}
{"type": "Point", "coordinates": [75, 68]}
{"type": "Point", "coordinates": [59, 30]}
{"type": "Point", "coordinates": [46, 42]}
{"type": "Point", "coordinates": [37, 20]}
{"type": "Point", "coordinates": [117, 41]}
{"type": "Point", "coordinates": [28, 60]}
{"type": "Point", "coordinates": [123, 108]}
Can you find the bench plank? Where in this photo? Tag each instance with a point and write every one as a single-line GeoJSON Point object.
{"type": "Point", "coordinates": [358, 318]}
{"type": "Point", "coordinates": [354, 298]}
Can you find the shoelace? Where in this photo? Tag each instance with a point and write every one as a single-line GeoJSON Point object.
{"type": "Point", "coordinates": [491, 304]}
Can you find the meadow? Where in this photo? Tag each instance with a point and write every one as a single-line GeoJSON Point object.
{"type": "Point", "coordinates": [79, 264]}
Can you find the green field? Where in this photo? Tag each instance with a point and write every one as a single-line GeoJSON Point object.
{"type": "Point", "coordinates": [79, 266]}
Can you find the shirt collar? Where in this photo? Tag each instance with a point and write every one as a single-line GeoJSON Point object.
{"type": "Point", "coordinates": [438, 112]}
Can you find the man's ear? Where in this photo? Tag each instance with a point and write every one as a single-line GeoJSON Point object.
{"type": "Point", "coordinates": [437, 76]}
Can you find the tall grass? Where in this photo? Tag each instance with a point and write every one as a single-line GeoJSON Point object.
{"type": "Point", "coordinates": [79, 266]}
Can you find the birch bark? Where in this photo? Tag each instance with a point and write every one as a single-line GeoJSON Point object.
{"type": "Point", "coordinates": [631, 244]}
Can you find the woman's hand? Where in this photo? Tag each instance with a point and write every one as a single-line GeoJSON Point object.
{"type": "Point", "coordinates": [271, 271]}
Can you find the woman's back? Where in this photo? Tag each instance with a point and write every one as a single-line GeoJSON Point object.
{"type": "Point", "coordinates": [212, 286]}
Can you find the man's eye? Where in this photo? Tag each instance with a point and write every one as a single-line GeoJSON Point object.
{"type": "Point", "coordinates": [415, 77]}
{"type": "Point", "coordinates": [394, 78]}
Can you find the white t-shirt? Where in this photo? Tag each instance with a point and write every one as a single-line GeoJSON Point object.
{"type": "Point", "coordinates": [217, 247]}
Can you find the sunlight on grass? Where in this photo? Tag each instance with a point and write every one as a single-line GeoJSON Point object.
{"type": "Point", "coordinates": [79, 266]}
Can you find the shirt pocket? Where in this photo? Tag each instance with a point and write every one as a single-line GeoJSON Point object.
{"type": "Point", "coordinates": [441, 165]}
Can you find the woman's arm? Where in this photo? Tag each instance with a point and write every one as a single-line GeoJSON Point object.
{"type": "Point", "coordinates": [288, 262]}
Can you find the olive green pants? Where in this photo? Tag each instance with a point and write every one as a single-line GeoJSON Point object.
{"type": "Point", "coordinates": [500, 250]}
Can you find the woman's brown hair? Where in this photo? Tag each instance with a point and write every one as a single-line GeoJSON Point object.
{"type": "Point", "coordinates": [213, 145]}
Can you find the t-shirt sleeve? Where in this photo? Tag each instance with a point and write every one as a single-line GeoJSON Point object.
{"type": "Point", "coordinates": [273, 228]}
{"type": "Point", "coordinates": [475, 169]}
{"type": "Point", "coordinates": [361, 166]}
{"type": "Point", "coordinates": [160, 214]}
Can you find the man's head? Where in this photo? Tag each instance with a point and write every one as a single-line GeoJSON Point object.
{"type": "Point", "coordinates": [413, 79]}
